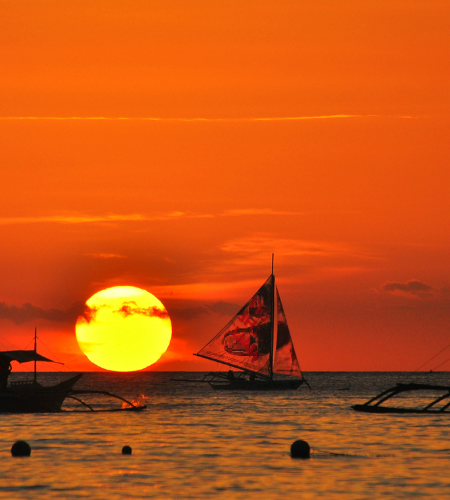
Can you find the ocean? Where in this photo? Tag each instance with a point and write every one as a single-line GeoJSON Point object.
{"type": "Point", "coordinates": [194, 442]}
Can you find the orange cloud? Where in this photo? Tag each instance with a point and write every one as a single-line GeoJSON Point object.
{"type": "Point", "coordinates": [181, 119]}
{"type": "Point", "coordinates": [106, 256]}
{"type": "Point", "coordinates": [263, 244]}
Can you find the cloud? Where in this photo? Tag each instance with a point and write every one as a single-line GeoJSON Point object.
{"type": "Point", "coordinates": [106, 256]}
{"type": "Point", "coordinates": [174, 215]}
{"type": "Point", "coordinates": [240, 212]}
{"type": "Point", "coordinates": [27, 312]}
{"type": "Point", "coordinates": [131, 308]}
{"type": "Point", "coordinates": [187, 313]}
{"type": "Point", "coordinates": [83, 219]}
{"type": "Point", "coordinates": [181, 119]}
{"type": "Point", "coordinates": [89, 313]}
{"type": "Point", "coordinates": [261, 244]}
{"type": "Point", "coordinates": [413, 286]}
{"type": "Point", "coordinates": [117, 218]}
{"type": "Point", "coordinates": [414, 289]}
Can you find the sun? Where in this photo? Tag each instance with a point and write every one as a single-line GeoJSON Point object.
{"type": "Point", "coordinates": [124, 329]}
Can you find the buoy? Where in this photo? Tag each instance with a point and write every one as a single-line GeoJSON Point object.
{"type": "Point", "coordinates": [300, 449]}
{"type": "Point", "coordinates": [20, 449]}
{"type": "Point", "coordinates": [126, 450]}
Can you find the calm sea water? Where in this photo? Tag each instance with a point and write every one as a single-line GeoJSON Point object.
{"type": "Point", "coordinates": [193, 442]}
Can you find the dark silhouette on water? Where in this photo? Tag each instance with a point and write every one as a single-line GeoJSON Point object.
{"type": "Point", "coordinates": [5, 370]}
{"type": "Point", "coordinates": [300, 449]}
{"type": "Point", "coordinates": [435, 404]}
{"type": "Point", "coordinates": [20, 449]}
{"type": "Point", "coordinates": [29, 396]}
{"type": "Point", "coordinates": [256, 342]}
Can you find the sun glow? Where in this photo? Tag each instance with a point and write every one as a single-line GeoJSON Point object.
{"type": "Point", "coordinates": [124, 329]}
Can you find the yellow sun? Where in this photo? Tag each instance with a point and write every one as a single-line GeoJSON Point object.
{"type": "Point", "coordinates": [124, 329]}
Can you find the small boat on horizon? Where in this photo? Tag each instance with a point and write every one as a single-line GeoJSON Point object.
{"type": "Point", "coordinates": [258, 344]}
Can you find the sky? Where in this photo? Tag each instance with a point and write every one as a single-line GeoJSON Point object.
{"type": "Point", "coordinates": [174, 146]}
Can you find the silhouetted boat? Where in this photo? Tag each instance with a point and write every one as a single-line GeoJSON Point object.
{"type": "Point", "coordinates": [257, 342]}
{"type": "Point", "coordinates": [29, 396]}
{"type": "Point", "coordinates": [423, 398]}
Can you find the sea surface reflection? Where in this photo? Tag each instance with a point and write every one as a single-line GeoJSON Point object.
{"type": "Point", "coordinates": [193, 442]}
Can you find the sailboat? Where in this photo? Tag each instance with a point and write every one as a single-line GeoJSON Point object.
{"type": "Point", "coordinates": [257, 342]}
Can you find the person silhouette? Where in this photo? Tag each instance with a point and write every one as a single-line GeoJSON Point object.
{"type": "Point", "coordinates": [5, 370]}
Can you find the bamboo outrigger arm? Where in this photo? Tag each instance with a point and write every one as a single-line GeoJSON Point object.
{"type": "Point", "coordinates": [374, 405]}
{"type": "Point", "coordinates": [132, 406]}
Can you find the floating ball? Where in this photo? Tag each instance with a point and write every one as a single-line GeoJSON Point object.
{"type": "Point", "coordinates": [20, 449]}
{"type": "Point", "coordinates": [126, 450]}
{"type": "Point", "coordinates": [300, 449]}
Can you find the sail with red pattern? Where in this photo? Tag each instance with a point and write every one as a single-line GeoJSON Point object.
{"type": "Point", "coordinates": [246, 341]}
{"type": "Point", "coordinates": [286, 362]}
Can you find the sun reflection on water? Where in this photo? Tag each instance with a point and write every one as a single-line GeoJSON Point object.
{"type": "Point", "coordinates": [193, 442]}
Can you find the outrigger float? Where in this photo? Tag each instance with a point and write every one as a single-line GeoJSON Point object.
{"type": "Point", "coordinates": [29, 396]}
{"type": "Point", "coordinates": [439, 404]}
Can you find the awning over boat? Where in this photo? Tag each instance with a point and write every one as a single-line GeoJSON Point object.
{"type": "Point", "coordinates": [24, 356]}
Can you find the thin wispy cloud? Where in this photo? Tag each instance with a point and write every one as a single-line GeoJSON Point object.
{"type": "Point", "coordinates": [263, 244]}
{"type": "Point", "coordinates": [28, 312]}
{"type": "Point", "coordinates": [239, 212]}
{"type": "Point", "coordinates": [83, 219]}
{"type": "Point", "coordinates": [301, 259]}
{"type": "Point", "coordinates": [105, 256]}
{"type": "Point", "coordinates": [416, 289]}
{"type": "Point", "coordinates": [70, 219]}
{"type": "Point", "coordinates": [194, 311]}
{"type": "Point", "coordinates": [86, 218]}
{"type": "Point", "coordinates": [181, 119]}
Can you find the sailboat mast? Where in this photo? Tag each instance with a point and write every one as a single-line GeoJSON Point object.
{"type": "Point", "coordinates": [272, 320]}
{"type": "Point", "coordinates": [35, 350]}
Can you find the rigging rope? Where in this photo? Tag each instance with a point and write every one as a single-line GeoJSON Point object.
{"type": "Point", "coordinates": [26, 347]}
{"type": "Point", "coordinates": [372, 455]}
{"type": "Point", "coordinates": [10, 343]}
{"type": "Point", "coordinates": [435, 356]}
{"type": "Point", "coordinates": [64, 365]}
{"type": "Point", "coordinates": [443, 363]}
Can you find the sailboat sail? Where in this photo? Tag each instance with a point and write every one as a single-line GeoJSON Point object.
{"type": "Point", "coordinates": [246, 341]}
{"type": "Point", "coordinates": [286, 362]}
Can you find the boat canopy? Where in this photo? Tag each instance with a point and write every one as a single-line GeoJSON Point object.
{"type": "Point", "coordinates": [24, 356]}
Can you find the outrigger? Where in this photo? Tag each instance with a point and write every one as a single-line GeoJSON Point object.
{"type": "Point", "coordinates": [29, 396]}
{"type": "Point", "coordinates": [439, 394]}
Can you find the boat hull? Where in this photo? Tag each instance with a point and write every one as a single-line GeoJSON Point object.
{"type": "Point", "coordinates": [35, 398]}
{"type": "Point", "coordinates": [256, 385]}
{"type": "Point", "coordinates": [12, 402]}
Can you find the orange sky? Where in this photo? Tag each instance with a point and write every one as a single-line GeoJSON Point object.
{"type": "Point", "coordinates": [174, 146]}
